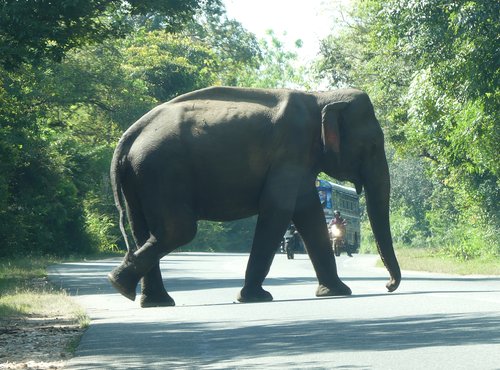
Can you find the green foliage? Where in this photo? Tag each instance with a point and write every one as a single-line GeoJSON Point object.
{"type": "Point", "coordinates": [368, 244]}
{"type": "Point", "coordinates": [233, 236]}
{"type": "Point", "coordinates": [429, 259]}
{"type": "Point", "coordinates": [277, 67]}
{"type": "Point", "coordinates": [405, 228]}
{"type": "Point", "coordinates": [418, 60]}
{"type": "Point", "coordinates": [62, 114]}
{"type": "Point", "coordinates": [234, 48]}
{"type": "Point", "coordinates": [17, 273]}
{"type": "Point", "coordinates": [31, 163]}
{"type": "Point", "coordinates": [34, 30]}
{"type": "Point", "coordinates": [101, 225]}
{"type": "Point", "coordinates": [168, 64]}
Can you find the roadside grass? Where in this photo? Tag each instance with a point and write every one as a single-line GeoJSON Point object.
{"type": "Point", "coordinates": [18, 274]}
{"type": "Point", "coordinates": [434, 261]}
{"type": "Point", "coordinates": [42, 303]}
{"type": "Point", "coordinates": [25, 292]}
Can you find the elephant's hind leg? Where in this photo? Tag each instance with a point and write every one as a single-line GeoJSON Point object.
{"type": "Point", "coordinates": [153, 293]}
{"type": "Point", "coordinates": [134, 266]}
{"type": "Point", "coordinates": [164, 228]}
{"type": "Point", "coordinates": [171, 233]}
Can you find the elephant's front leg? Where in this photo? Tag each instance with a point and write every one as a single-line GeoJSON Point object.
{"type": "Point", "coordinates": [275, 212]}
{"type": "Point", "coordinates": [309, 220]}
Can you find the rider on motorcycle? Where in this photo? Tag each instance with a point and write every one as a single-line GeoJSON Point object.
{"type": "Point", "coordinates": [291, 241]}
{"type": "Point", "coordinates": [340, 223]}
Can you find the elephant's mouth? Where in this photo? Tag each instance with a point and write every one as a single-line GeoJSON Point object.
{"type": "Point", "coordinates": [354, 179]}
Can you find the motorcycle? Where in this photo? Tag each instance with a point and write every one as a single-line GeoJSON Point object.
{"type": "Point", "coordinates": [337, 233]}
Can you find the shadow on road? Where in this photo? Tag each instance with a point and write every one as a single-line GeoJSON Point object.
{"type": "Point", "coordinates": [179, 338]}
{"type": "Point", "coordinates": [304, 337]}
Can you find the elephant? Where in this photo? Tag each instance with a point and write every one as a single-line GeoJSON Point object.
{"type": "Point", "coordinates": [225, 153]}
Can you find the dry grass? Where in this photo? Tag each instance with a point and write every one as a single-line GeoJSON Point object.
{"type": "Point", "coordinates": [42, 304]}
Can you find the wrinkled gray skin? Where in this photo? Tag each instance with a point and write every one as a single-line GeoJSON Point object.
{"type": "Point", "coordinates": [228, 153]}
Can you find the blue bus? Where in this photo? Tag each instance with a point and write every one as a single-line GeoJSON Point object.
{"type": "Point", "coordinates": [344, 199]}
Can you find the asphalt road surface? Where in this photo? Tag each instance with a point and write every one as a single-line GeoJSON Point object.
{"type": "Point", "coordinates": [431, 322]}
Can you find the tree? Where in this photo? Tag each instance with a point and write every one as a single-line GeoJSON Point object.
{"type": "Point", "coordinates": [40, 207]}
{"type": "Point", "coordinates": [33, 30]}
{"type": "Point", "coordinates": [60, 120]}
{"type": "Point", "coordinates": [276, 68]}
{"type": "Point", "coordinates": [236, 49]}
{"type": "Point", "coordinates": [419, 62]}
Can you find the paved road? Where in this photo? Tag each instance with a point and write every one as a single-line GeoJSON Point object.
{"type": "Point", "coordinates": [431, 322]}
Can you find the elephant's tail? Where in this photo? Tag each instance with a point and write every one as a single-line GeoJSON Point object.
{"type": "Point", "coordinates": [116, 184]}
{"type": "Point", "coordinates": [118, 163]}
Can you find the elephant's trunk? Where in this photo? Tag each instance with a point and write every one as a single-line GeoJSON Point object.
{"type": "Point", "coordinates": [377, 189]}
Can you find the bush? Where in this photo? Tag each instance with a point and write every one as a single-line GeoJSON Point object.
{"type": "Point", "coordinates": [233, 236]}
{"type": "Point", "coordinates": [49, 221]}
{"type": "Point", "coordinates": [101, 228]}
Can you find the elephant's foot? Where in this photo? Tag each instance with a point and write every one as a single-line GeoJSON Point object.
{"type": "Point", "coordinates": [124, 279]}
{"type": "Point", "coordinates": [251, 295]}
{"type": "Point", "coordinates": [156, 300]}
{"type": "Point", "coordinates": [335, 290]}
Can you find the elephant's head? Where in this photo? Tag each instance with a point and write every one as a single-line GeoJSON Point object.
{"type": "Point", "coordinates": [353, 150]}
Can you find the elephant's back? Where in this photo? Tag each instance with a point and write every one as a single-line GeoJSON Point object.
{"type": "Point", "coordinates": [265, 97]}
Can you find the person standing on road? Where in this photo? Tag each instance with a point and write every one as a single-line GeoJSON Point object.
{"type": "Point", "coordinates": [291, 240]}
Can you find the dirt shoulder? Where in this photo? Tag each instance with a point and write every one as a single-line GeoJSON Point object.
{"type": "Point", "coordinates": [37, 342]}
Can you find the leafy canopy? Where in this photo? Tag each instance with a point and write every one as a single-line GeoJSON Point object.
{"type": "Point", "coordinates": [31, 30]}
{"type": "Point", "coordinates": [432, 69]}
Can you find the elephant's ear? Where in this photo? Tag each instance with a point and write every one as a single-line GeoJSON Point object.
{"type": "Point", "coordinates": [330, 133]}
